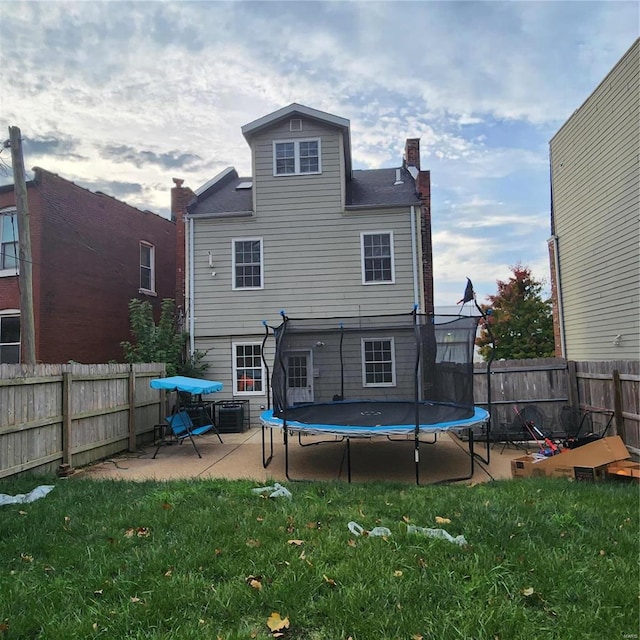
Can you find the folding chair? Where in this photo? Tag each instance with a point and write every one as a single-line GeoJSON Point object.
{"type": "Point", "coordinates": [180, 427]}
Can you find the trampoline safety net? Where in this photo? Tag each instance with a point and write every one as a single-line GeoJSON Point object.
{"type": "Point", "coordinates": [405, 358]}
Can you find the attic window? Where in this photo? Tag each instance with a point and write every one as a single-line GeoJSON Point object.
{"type": "Point", "coordinates": [244, 185]}
{"type": "Point", "coordinates": [295, 124]}
{"type": "Point", "coordinates": [295, 157]}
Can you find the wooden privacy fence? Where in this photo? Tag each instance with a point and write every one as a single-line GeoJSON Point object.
{"type": "Point", "coordinates": [74, 414]}
{"type": "Point", "coordinates": [546, 388]}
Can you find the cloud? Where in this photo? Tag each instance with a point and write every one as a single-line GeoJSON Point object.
{"type": "Point", "coordinates": [167, 160]}
{"type": "Point", "coordinates": [51, 144]}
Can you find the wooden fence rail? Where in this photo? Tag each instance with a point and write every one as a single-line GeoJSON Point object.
{"type": "Point", "coordinates": [52, 415]}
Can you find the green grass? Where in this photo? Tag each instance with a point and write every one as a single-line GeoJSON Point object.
{"type": "Point", "coordinates": [107, 559]}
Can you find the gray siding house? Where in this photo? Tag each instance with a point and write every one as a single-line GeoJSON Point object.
{"type": "Point", "coordinates": [306, 234]}
{"type": "Point", "coordinates": [595, 243]}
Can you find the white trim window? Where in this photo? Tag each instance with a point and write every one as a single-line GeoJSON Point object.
{"type": "Point", "coordinates": [247, 264]}
{"type": "Point", "coordinates": [9, 256]}
{"type": "Point", "coordinates": [378, 362]}
{"type": "Point", "coordinates": [147, 267]}
{"type": "Point", "coordinates": [296, 157]}
{"type": "Point", "coordinates": [9, 337]}
{"type": "Point", "coordinates": [248, 369]}
{"type": "Point", "coordinates": [377, 257]}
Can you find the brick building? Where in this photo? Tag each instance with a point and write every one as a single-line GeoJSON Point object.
{"type": "Point", "coordinates": [91, 255]}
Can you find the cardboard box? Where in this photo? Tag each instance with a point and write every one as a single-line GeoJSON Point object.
{"type": "Point", "coordinates": [624, 469]}
{"type": "Point", "coordinates": [522, 467]}
{"type": "Point", "coordinates": [588, 462]}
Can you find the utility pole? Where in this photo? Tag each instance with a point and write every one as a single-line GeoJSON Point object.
{"type": "Point", "coordinates": [27, 324]}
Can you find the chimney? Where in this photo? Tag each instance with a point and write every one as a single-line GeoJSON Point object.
{"type": "Point", "coordinates": [412, 153]}
{"type": "Point", "coordinates": [180, 198]}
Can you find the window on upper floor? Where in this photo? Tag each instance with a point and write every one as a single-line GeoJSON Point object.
{"type": "Point", "coordinates": [378, 363]}
{"type": "Point", "coordinates": [8, 242]}
{"type": "Point", "coordinates": [248, 369]}
{"type": "Point", "coordinates": [377, 258]}
{"type": "Point", "coordinates": [295, 157]}
{"type": "Point", "coordinates": [10, 338]}
{"type": "Point", "coordinates": [147, 268]}
{"type": "Point", "coordinates": [247, 263]}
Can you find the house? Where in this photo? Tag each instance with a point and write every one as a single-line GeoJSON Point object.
{"type": "Point", "coordinates": [305, 233]}
{"type": "Point", "coordinates": [91, 255]}
{"type": "Point", "coordinates": [595, 241]}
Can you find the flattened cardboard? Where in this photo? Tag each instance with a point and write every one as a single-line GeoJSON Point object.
{"type": "Point", "coordinates": [587, 462]}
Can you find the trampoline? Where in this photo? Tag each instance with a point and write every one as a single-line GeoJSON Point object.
{"type": "Point", "coordinates": [399, 376]}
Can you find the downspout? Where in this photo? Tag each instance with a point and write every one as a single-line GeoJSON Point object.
{"type": "Point", "coordinates": [556, 263]}
{"type": "Point", "coordinates": [414, 258]}
{"type": "Point", "coordinates": [192, 340]}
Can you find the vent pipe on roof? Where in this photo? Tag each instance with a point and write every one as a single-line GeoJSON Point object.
{"type": "Point", "coordinates": [398, 180]}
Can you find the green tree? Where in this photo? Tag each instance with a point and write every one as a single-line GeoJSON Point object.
{"type": "Point", "coordinates": [520, 319]}
{"type": "Point", "coordinates": [163, 342]}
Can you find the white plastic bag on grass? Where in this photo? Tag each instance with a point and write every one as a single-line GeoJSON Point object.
{"type": "Point", "coordinates": [436, 533]}
{"type": "Point", "coordinates": [357, 530]}
{"type": "Point", "coordinates": [23, 498]}
{"type": "Point", "coordinates": [275, 491]}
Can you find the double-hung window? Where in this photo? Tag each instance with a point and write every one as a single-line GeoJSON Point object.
{"type": "Point", "coordinates": [8, 242]}
{"type": "Point", "coordinates": [248, 370]}
{"type": "Point", "coordinates": [247, 263]}
{"type": "Point", "coordinates": [9, 339]}
{"type": "Point", "coordinates": [147, 268]}
{"type": "Point", "coordinates": [377, 258]}
{"type": "Point", "coordinates": [295, 157]}
{"type": "Point", "coordinates": [378, 362]}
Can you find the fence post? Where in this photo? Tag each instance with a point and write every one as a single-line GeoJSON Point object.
{"type": "Point", "coordinates": [67, 412]}
{"type": "Point", "coordinates": [618, 418]}
{"type": "Point", "coordinates": [132, 409]}
{"type": "Point", "coordinates": [574, 392]}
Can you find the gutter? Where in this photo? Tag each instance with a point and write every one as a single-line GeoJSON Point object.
{"type": "Point", "coordinates": [364, 207]}
{"type": "Point", "coordinates": [224, 214]}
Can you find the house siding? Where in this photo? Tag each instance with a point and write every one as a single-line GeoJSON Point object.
{"type": "Point", "coordinates": [595, 185]}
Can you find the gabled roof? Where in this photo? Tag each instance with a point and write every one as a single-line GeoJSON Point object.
{"type": "Point", "coordinates": [295, 109]}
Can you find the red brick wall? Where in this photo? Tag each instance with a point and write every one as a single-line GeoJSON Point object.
{"type": "Point", "coordinates": [180, 198]}
{"type": "Point", "coordinates": [86, 269]}
{"type": "Point", "coordinates": [423, 184]}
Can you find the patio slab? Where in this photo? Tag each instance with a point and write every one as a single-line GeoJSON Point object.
{"type": "Point", "coordinates": [240, 457]}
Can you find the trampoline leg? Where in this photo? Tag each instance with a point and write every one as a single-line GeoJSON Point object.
{"type": "Point", "coordinates": [266, 461]}
{"type": "Point", "coordinates": [286, 454]}
{"type": "Point", "coordinates": [349, 460]}
{"type": "Point", "coordinates": [416, 455]}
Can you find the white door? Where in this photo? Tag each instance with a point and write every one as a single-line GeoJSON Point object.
{"type": "Point", "coordinates": [299, 377]}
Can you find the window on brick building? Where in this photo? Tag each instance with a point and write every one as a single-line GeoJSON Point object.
{"type": "Point", "coordinates": [9, 339]}
{"type": "Point", "coordinates": [147, 268]}
{"type": "Point", "coordinates": [8, 242]}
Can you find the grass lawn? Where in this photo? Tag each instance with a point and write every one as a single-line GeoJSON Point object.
{"type": "Point", "coordinates": [210, 559]}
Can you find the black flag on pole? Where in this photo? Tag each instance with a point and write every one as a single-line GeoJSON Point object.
{"type": "Point", "coordinates": [469, 295]}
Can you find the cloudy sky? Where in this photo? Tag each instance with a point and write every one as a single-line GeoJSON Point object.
{"type": "Point", "coordinates": [121, 97]}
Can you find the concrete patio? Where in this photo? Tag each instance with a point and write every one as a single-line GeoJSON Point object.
{"type": "Point", "coordinates": [240, 457]}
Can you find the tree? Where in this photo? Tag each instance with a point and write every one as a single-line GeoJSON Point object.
{"type": "Point", "coordinates": [163, 342]}
{"type": "Point", "coordinates": [520, 319]}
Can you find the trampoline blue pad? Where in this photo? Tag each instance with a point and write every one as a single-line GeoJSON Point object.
{"type": "Point", "coordinates": [367, 419]}
{"type": "Point", "coordinates": [195, 386]}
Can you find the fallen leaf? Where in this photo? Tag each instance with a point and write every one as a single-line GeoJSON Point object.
{"type": "Point", "coordinates": [330, 581]}
{"type": "Point", "coordinates": [67, 519]}
{"type": "Point", "coordinates": [201, 621]}
{"type": "Point", "coordinates": [94, 626]}
{"type": "Point", "coordinates": [397, 573]}
{"type": "Point", "coordinates": [417, 636]}
{"type": "Point", "coordinates": [166, 506]}
{"type": "Point", "coordinates": [296, 543]}
{"type": "Point", "coordinates": [25, 557]}
{"type": "Point", "coordinates": [143, 532]}
{"type": "Point", "coordinates": [276, 623]}
{"type": "Point", "coordinates": [313, 525]}
{"type": "Point", "coordinates": [169, 572]}
{"type": "Point", "coordinates": [406, 519]}
{"type": "Point", "coordinates": [603, 552]}
{"type": "Point", "coordinates": [255, 584]}
{"type": "Point", "coordinates": [135, 599]}
{"type": "Point", "coordinates": [260, 519]}
{"type": "Point", "coordinates": [48, 569]}
{"type": "Point", "coordinates": [529, 591]}
{"type": "Point", "coordinates": [98, 592]}
{"type": "Point", "coordinates": [440, 520]}
{"type": "Point", "coordinates": [352, 542]}
{"type": "Point", "coordinates": [217, 552]}
{"type": "Point", "coordinates": [22, 513]}
{"type": "Point", "coordinates": [421, 563]}
{"type": "Point", "coordinates": [129, 532]}
{"type": "Point", "coordinates": [253, 542]}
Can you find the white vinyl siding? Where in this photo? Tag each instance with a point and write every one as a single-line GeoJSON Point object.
{"type": "Point", "coordinates": [594, 166]}
{"type": "Point", "coordinates": [377, 257]}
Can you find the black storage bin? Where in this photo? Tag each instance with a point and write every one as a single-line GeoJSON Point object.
{"type": "Point", "coordinates": [230, 417]}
